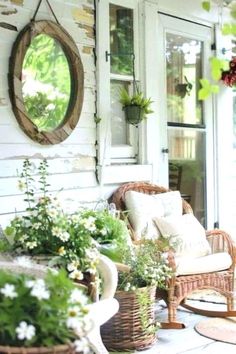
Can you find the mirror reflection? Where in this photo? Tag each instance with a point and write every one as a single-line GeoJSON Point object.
{"type": "Point", "coordinates": [46, 83]}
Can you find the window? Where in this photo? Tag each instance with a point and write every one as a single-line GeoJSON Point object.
{"type": "Point", "coordinates": [116, 48]}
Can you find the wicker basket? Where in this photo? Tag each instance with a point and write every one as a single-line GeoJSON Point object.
{"type": "Point", "coordinates": [124, 330]}
{"type": "Point", "coordinates": [57, 349]}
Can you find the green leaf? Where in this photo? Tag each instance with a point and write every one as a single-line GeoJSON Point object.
{"type": "Point", "coordinates": [203, 93]}
{"type": "Point", "coordinates": [206, 5]}
{"type": "Point", "coordinates": [229, 29]}
{"type": "Point", "coordinates": [207, 89]}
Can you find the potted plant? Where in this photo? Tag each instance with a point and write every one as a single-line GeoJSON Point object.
{"type": "Point", "coordinates": [136, 106]}
{"type": "Point", "coordinates": [46, 230]}
{"type": "Point", "coordinates": [42, 315]}
{"type": "Point", "coordinates": [71, 241]}
{"type": "Point", "coordinates": [144, 269]}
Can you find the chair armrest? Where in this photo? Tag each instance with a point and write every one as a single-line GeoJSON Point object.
{"type": "Point", "coordinates": [121, 267]}
{"type": "Point", "coordinates": [108, 272]}
{"type": "Point", "coordinates": [220, 241]}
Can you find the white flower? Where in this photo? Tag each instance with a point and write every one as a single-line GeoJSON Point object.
{"type": "Point", "coordinates": [74, 323]}
{"type": "Point", "coordinates": [75, 218]}
{"type": "Point", "coordinates": [127, 287]}
{"type": "Point", "coordinates": [64, 236]}
{"type": "Point", "coordinates": [23, 238]}
{"type": "Point", "coordinates": [27, 223]}
{"type": "Point", "coordinates": [38, 289]}
{"type": "Point", "coordinates": [31, 244]}
{"type": "Point", "coordinates": [82, 345]}
{"type": "Point", "coordinates": [36, 225]}
{"type": "Point", "coordinates": [21, 185]}
{"type": "Point", "coordinates": [25, 331]}
{"type": "Point", "coordinates": [103, 232]}
{"type": "Point", "coordinates": [52, 212]}
{"type": "Point", "coordinates": [89, 223]}
{"type": "Point", "coordinates": [72, 266]}
{"type": "Point", "coordinates": [76, 274]}
{"type": "Point", "coordinates": [9, 291]}
{"type": "Point", "coordinates": [56, 231]}
{"type": "Point", "coordinates": [77, 296]}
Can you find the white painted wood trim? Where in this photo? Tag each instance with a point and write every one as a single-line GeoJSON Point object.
{"type": "Point", "coordinates": [125, 173]}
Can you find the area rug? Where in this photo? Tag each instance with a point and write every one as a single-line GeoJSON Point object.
{"type": "Point", "coordinates": [220, 329]}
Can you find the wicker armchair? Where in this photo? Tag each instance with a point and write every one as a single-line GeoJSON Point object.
{"type": "Point", "coordinates": [180, 286]}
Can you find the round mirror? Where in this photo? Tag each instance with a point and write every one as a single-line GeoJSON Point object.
{"type": "Point", "coordinates": [46, 82]}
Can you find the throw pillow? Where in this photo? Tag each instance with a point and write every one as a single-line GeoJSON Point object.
{"type": "Point", "coordinates": [142, 208]}
{"type": "Point", "coordinates": [186, 232]}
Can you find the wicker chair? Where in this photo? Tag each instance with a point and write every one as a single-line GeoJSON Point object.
{"type": "Point", "coordinates": [179, 287]}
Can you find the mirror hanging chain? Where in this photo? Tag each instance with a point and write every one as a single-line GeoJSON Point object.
{"type": "Point", "coordinates": [51, 9]}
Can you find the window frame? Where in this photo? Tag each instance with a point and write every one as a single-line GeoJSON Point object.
{"type": "Point", "coordinates": [107, 153]}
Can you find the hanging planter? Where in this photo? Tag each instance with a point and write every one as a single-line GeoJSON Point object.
{"type": "Point", "coordinates": [136, 107]}
{"type": "Point", "coordinates": [229, 76]}
{"type": "Point", "coordinates": [133, 114]}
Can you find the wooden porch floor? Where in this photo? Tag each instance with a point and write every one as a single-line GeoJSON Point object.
{"type": "Point", "coordinates": [178, 341]}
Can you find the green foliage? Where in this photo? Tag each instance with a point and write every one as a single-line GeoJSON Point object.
{"type": "Point", "coordinates": [145, 303]}
{"type": "Point", "coordinates": [71, 239]}
{"type": "Point", "coordinates": [46, 82]}
{"type": "Point", "coordinates": [47, 229]}
{"type": "Point", "coordinates": [136, 100]}
{"type": "Point", "coordinates": [207, 89]}
{"type": "Point", "coordinates": [217, 66]}
{"type": "Point", "coordinates": [206, 5]}
{"type": "Point", "coordinates": [46, 113]}
{"type": "Point", "coordinates": [148, 265]}
{"type": "Point", "coordinates": [229, 29]}
{"type": "Point", "coordinates": [110, 232]}
{"type": "Point", "coordinates": [37, 312]}
{"type": "Point", "coordinates": [121, 34]}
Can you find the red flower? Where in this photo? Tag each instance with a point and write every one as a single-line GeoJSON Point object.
{"type": "Point", "coordinates": [229, 77]}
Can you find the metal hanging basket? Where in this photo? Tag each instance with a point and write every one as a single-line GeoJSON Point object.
{"type": "Point", "coordinates": [133, 114]}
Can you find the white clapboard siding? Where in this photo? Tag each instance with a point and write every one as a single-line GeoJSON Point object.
{"type": "Point", "coordinates": [32, 150]}
{"type": "Point", "coordinates": [72, 163]}
{"type": "Point", "coordinates": [15, 203]}
{"type": "Point", "coordinates": [89, 79]}
{"type": "Point", "coordinates": [13, 168]}
{"type": "Point", "coordinates": [79, 136]}
{"type": "Point", "coordinates": [9, 186]}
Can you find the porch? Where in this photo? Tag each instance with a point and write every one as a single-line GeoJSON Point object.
{"type": "Point", "coordinates": [187, 340]}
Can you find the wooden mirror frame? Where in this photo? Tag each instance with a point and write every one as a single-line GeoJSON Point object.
{"type": "Point", "coordinates": [70, 49]}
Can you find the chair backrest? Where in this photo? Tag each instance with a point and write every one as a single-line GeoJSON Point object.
{"type": "Point", "coordinates": [118, 197]}
{"type": "Point", "coordinates": [175, 174]}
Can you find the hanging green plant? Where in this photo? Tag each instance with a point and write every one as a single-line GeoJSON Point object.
{"type": "Point", "coordinates": [136, 106]}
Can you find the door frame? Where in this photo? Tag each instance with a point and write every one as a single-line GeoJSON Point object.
{"type": "Point", "coordinates": [165, 22]}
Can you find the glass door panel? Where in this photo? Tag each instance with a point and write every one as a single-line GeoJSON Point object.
{"type": "Point", "coordinates": [185, 120]}
{"type": "Point", "coordinates": [183, 69]}
{"type": "Point", "coordinates": [187, 170]}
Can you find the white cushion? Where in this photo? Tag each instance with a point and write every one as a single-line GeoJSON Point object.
{"type": "Point", "coordinates": [172, 203]}
{"type": "Point", "coordinates": [143, 208]}
{"type": "Point", "coordinates": [188, 234]}
{"type": "Point", "coordinates": [207, 264]}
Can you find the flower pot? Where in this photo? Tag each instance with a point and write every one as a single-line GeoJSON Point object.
{"type": "Point", "coordinates": [133, 114]}
{"type": "Point", "coordinates": [125, 330]}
